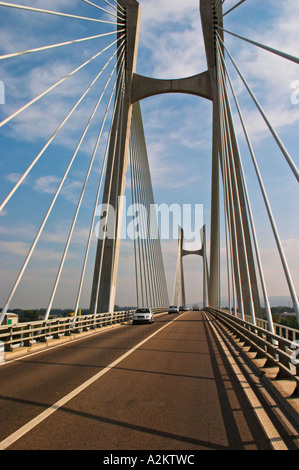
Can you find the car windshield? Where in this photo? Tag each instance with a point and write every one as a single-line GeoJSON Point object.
{"type": "Point", "coordinates": [142, 310]}
{"type": "Point", "coordinates": [173, 306]}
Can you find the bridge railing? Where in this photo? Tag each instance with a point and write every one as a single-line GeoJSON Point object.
{"type": "Point", "coordinates": [281, 330]}
{"type": "Point", "coordinates": [30, 333]}
{"type": "Point", "coordinates": [27, 334]}
{"type": "Point", "coordinates": [273, 350]}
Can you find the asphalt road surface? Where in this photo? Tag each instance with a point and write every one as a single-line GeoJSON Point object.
{"type": "Point", "coordinates": [175, 384]}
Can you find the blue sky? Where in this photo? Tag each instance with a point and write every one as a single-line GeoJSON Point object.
{"type": "Point", "coordinates": [177, 130]}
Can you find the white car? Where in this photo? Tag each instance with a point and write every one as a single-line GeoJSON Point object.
{"type": "Point", "coordinates": [173, 309]}
{"type": "Point", "coordinates": [143, 315]}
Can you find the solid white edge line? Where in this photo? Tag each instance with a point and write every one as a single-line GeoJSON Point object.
{"type": "Point", "coordinates": [48, 412]}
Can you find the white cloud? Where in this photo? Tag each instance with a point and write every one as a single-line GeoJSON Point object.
{"type": "Point", "coordinates": [50, 183]}
{"type": "Point", "coordinates": [13, 177]}
{"type": "Point", "coordinates": [47, 184]}
{"type": "Point", "coordinates": [269, 76]}
{"type": "Point", "coordinates": [35, 73]}
{"type": "Point", "coordinates": [22, 249]}
{"type": "Point", "coordinates": [59, 235]}
{"type": "Point", "coordinates": [19, 230]}
{"type": "Point", "coordinates": [41, 3]}
{"type": "Point", "coordinates": [171, 35]}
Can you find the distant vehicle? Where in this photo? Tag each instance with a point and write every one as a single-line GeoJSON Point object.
{"type": "Point", "coordinates": [195, 308]}
{"type": "Point", "coordinates": [173, 309]}
{"type": "Point", "coordinates": [182, 308]}
{"type": "Point", "coordinates": [143, 315]}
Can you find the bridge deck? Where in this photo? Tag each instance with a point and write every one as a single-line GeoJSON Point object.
{"type": "Point", "coordinates": [178, 390]}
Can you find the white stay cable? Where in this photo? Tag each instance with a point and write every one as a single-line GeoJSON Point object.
{"type": "Point", "coordinates": [263, 46]}
{"type": "Point", "coordinates": [271, 219]}
{"type": "Point", "coordinates": [148, 198]}
{"type": "Point", "coordinates": [50, 12]}
{"type": "Point", "coordinates": [21, 179]}
{"type": "Point", "coordinates": [153, 266]}
{"type": "Point", "coordinates": [228, 225]}
{"type": "Point", "coordinates": [272, 130]}
{"type": "Point", "coordinates": [34, 100]}
{"type": "Point", "coordinates": [228, 189]}
{"type": "Point", "coordinates": [116, 3]}
{"type": "Point", "coordinates": [80, 199]}
{"type": "Point", "coordinates": [142, 176]}
{"type": "Point", "coordinates": [134, 238]}
{"type": "Point", "coordinates": [97, 195]}
{"type": "Point", "coordinates": [219, 2]}
{"type": "Point", "coordinates": [227, 112]}
{"type": "Point", "coordinates": [234, 7]}
{"type": "Point", "coordinates": [136, 203]}
{"type": "Point", "coordinates": [53, 46]}
{"type": "Point", "coordinates": [119, 9]}
{"type": "Point", "coordinates": [153, 259]}
{"type": "Point", "coordinates": [102, 9]}
{"type": "Point", "coordinates": [138, 188]}
{"type": "Point", "coordinates": [260, 267]}
{"type": "Point", "coordinates": [142, 235]}
{"type": "Point", "coordinates": [137, 206]}
{"type": "Point", "coordinates": [118, 120]}
{"type": "Point", "coordinates": [228, 253]}
{"type": "Point", "coordinates": [3, 313]}
{"type": "Point", "coordinates": [235, 265]}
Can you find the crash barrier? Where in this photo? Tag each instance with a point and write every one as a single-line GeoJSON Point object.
{"type": "Point", "coordinates": [27, 334]}
{"type": "Point", "coordinates": [275, 355]}
{"type": "Point", "coordinates": [281, 330]}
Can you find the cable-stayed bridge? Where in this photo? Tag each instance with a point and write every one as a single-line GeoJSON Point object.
{"type": "Point", "coordinates": [110, 129]}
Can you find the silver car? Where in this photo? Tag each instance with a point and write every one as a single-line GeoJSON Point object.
{"type": "Point", "coordinates": [143, 315]}
{"type": "Point", "coordinates": [173, 309]}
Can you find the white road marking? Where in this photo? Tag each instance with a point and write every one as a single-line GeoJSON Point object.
{"type": "Point", "coordinates": [48, 412]}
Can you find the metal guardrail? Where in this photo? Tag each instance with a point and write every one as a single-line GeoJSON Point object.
{"type": "Point", "coordinates": [282, 330]}
{"type": "Point", "coordinates": [273, 350]}
{"type": "Point", "coordinates": [28, 334]}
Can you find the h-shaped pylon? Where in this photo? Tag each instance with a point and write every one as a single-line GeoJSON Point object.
{"type": "Point", "coordinates": [204, 85]}
{"type": "Point", "coordinates": [179, 293]}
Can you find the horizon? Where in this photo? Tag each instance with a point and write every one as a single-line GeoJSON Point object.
{"type": "Point", "coordinates": [278, 301]}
